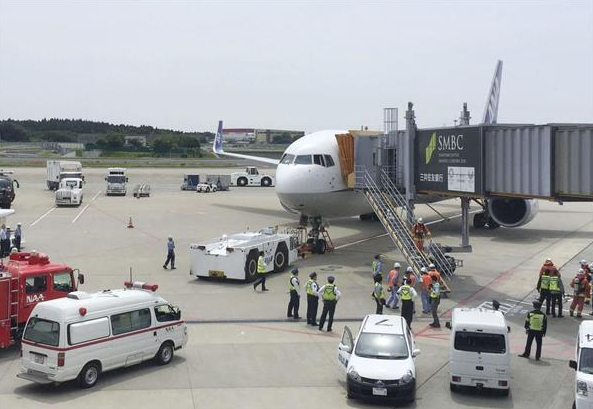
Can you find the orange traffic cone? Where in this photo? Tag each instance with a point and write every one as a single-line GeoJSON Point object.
{"type": "Point", "coordinates": [130, 224]}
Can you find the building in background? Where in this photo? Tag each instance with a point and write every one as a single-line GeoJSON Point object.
{"type": "Point", "coordinates": [140, 138]}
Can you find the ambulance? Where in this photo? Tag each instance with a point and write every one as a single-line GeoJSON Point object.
{"type": "Point", "coordinates": [84, 335]}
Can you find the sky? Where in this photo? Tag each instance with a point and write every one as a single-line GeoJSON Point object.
{"type": "Point", "coordinates": [301, 65]}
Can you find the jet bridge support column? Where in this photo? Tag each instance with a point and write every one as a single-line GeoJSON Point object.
{"type": "Point", "coordinates": [465, 246]}
{"type": "Point", "coordinates": [408, 161]}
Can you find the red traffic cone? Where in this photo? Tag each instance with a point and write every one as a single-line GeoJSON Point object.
{"type": "Point", "coordinates": [130, 224]}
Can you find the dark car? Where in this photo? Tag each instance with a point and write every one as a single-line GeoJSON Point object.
{"type": "Point", "coordinates": [7, 191]}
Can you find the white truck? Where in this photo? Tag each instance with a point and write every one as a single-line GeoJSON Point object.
{"type": "Point", "coordinates": [116, 181]}
{"type": "Point", "coordinates": [70, 192]}
{"type": "Point", "coordinates": [60, 169]}
{"type": "Point", "coordinates": [235, 257]}
{"type": "Point", "coordinates": [251, 177]}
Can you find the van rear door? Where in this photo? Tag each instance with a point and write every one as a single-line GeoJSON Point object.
{"type": "Point", "coordinates": [481, 355]}
{"type": "Point", "coordinates": [41, 340]}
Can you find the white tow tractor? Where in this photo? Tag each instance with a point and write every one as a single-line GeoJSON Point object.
{"type": "Point", "coordinates": [235, 256]}
{"type": "Point", "coordinates": [251, 177]}
{"type": "Point", "coordinates": [70, 192]}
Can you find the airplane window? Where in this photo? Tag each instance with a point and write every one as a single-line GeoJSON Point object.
{"type": "Point", "coordinates": [287, 159]}
{"type": "Point", "coordinates": [329, 162]}
{"type": "Point", "coordinates": [303, 160]}
{"type": "Point", "coordinates": [318, 160]}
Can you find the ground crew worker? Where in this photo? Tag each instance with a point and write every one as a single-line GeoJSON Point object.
{"type": "Point", "coordinates": [407, 295]}
{"type": "Point", "coordinates": [433, 272]}
{"type": "Point", "coordinates": [410, 276]}
{"type": "Point", "coordinates": [587, 272]}
{"type": "Point", "coordinates": [392, 286]}
{"type": "Point", "coordinates": [378, 294]}
{"type": "Point", "coordinates": [543, 283]}
{"type": "Point", "coordinates": [261, 272]}
{"type": "Point", "coordinates": [18, 235]}
{"type": "Point", "coordinates": [425, 290]}
{"type": "Point", "coordinates": [170, 253]}
{"type": "Point", "coordinates": [435, 300]}
{"type": "Point", "coordinates": [580, 286]}
{"type": "Point", "coordinates": [312, 299]}
{"type": "Point", "coordinates": [556, 292]}
{"type": "Point", "coordinates": [536, 324]}
{"type": "Point", "coordinates": [330, 295]}
{"type": "Point", "coordinates": [4, 242]}
{"type": "Point", "coordinates": [294, 289]}
{"type": "Point", "coordinates": [377, 266]}
{"type": "Point", "coordinates": [419, 233]}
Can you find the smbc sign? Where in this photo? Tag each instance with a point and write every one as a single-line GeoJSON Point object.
{"type": "Point", "coordinates": [449, 160]}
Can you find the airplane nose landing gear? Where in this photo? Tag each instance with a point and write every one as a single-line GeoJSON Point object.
{"type": "Point", "coordinates": [316, 240]}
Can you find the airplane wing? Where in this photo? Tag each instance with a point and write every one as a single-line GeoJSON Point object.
{"type": "Point", "coordinates": [217, 149]}
{"type": "Point", "coordinates": [491, 110]}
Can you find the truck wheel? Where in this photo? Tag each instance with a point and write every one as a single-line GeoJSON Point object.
{"type": "Point", "coordinates": [207, 190]}
{"type": "Point", "coordinates": [321, 246]}
{"type": "Point", "coordinates": [251, 265]}
{"type": "Point", "coordinates": [87, 378]}
{"type": "Point", "coordinates": [452, 387]}
{"type": "Point", "coordinates": [492, 224]}
{"type": "Point", "coordinates": [281, 258]}
{"type": "Point", "coordinates": [165, 354]}
{"type": "Point", "coordinates": [265, 182]}
{"type": "Point", "coordinates": [242, 182]}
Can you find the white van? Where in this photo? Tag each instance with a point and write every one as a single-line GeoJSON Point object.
{"type": "Point", "coordinates": [583, 364]}
{"type": "Point", "coordinates": [379, 363]}
{"type": "Point", "coordinates": [479, 350]}
{"type": "Point", "coordinates": [83, 335]}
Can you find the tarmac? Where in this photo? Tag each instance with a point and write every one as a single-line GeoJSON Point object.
{"type": "Point", "coordinates": [242, 351]}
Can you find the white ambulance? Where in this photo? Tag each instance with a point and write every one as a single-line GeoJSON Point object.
{"type": "Point", "coordinates": [583, 365]}
{"type": "Point", "coordinates": [83, 335]}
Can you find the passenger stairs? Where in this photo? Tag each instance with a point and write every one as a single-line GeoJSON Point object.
{"type": "Point", "coordinates": [392, 210]}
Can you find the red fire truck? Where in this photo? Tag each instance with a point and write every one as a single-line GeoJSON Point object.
{"type": "Point", "coordinates": [25, 280]}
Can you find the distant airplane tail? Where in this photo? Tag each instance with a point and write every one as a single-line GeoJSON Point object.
{"type": "Point", "coordinates": [491, 110]}
{"type": "Point", "coordinates": [217, 147]}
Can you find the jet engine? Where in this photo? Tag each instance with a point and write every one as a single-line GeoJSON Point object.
{"type": "Point", "coordinates": [510, 212]}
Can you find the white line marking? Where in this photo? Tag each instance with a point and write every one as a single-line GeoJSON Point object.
{"type": "Point", "coordinates": [360, 241]}
{"type": "Point", "coordinates": [42, 216]}
{"type": "Point", "coordinates": [86, 207]}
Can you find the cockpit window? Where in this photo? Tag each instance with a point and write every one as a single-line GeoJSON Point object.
{"type": "Point", "coordinates": [318, 160]}
{"type": "Point", "coordinates": [329, 162]}
{"type": "Point", "coordinates": [303, 160]}
{"type": "Point", "coordinates": [287, 159]}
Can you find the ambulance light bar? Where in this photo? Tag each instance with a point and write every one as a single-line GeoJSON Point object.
{"type": "Point", "coordinates": [141, 285]}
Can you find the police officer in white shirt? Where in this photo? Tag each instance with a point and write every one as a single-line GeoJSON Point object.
{"type": "Point", "coordinates": [330, 295]}
{"type": "Point", "coordinates": [294, 288]}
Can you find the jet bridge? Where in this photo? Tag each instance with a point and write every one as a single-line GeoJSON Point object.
{"type": "Point", "coordinates": [503, 167]}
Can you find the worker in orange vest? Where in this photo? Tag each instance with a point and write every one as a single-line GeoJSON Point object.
{"type": "Point", "coordinates": [581, 286]}
{"type": "Point", "coordinates": [419, 233]}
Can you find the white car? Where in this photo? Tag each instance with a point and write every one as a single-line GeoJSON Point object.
{"type": "Point", "coordinates": [379, 363]}
{"type": "Point", "coordinates": [205, 188]}
{"type": "Point", "coordinates": [583, 364]}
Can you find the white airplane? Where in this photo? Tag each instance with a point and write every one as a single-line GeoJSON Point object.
{"type": "Point", "coordinates": [309, 180]}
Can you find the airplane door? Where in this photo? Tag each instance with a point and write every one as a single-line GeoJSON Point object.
{"type": "Point", "coordinates": [345, 348]}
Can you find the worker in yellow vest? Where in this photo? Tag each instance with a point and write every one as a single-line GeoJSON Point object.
{"type": "Point", "coordinates": [556, 292]}
{"type": "Point", "coordinates": [312, 299]}
{"type": "Point", "coordinates": [378, 294]}
{"type": "Point", "coordinates": [536, 324]}
{"type": "Point", "coordinates": [261, 272]}
{"type": "Point", "coordinates": [330, 295]}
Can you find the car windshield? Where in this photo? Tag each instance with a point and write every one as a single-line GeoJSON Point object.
{"type": "Point", "coordinates": [116, 179]}
{"type": "Point", "coordinates": [381, 346]}
{"type": "Point", "coordinates": [42, 332]}
{"type": "Point", "coordinates": [480, 342]}
{"type": "Point", "coordinates": [586, 361]}
{"type": "Point", "coordinates": [71, 184]}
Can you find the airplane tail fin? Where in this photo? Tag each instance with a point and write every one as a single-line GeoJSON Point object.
{"type": "Point", "coordinates": [491, 110]}
{"type": "Point", "coordinates": [217, 146]}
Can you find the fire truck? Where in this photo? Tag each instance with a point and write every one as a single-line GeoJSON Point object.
{"type": "Point", "coordinates": [25, 280]}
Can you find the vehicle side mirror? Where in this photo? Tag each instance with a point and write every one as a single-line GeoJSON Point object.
{"type": "Point", "coordinates": [508, 328]}
{"type": "Point", "coordinates": [105, 179]}
{"type": "Point", "coordinates": [126, 179]}
{"type": "Point", "coordinates": [448, 324]}
{"type": "Point", "coordinates": [415, 353]}
{"type": "Point", "coordinates": [17, 183]}
{"type": "Point", "coordinates": [80, 278]}
{"type": "Point", "coordinates": [343, 347]}
{"type": "Point", "coordinates": [572, 364]}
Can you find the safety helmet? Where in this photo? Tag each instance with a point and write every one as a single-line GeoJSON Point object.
{"type": "Point", "coordinates": [409, 270]}
{"type": "Point", "coordinates": [420, 220]}
{"type": "Point", "coordinates": [583, 262]}
{"type": "Point", "coordinates": [581, 271]}
{"type": "Point", "coordinates": [313, 275]}
{"type": "Point", "coordinates": [537, 305]}
{"type": "Point", "coordinates": [170, 237]}
{"type": "Point", "coordinates": [431, 266]}
{"type": "Point", "coordinates": [18, 224]}
{"type": "Point", "coordinates": [295, 271]}
{"type": "Point", "coordinates": [423, 270]}
{"type": "Point", "coordinates": [331, 279]}
{"type": "Point", "coordinates": [396, 265]}
{"type": "Point", "coordinates": [548, 261]}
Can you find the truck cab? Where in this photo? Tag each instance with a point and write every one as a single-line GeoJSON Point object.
{"type": "Point", "coordinates": [7, 189]}
{"type": "Point", "coordinates": [251, 177]}
{"type": "Point", "coordinates": [27, 279]}
{"type": "Point", "coordinates": [70, 192]}
{"type": "Point", "coordinates": [116, 181]}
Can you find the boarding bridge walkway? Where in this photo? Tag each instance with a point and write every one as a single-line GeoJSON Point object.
{"type": "Point", "coordinates": [391, 209]}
